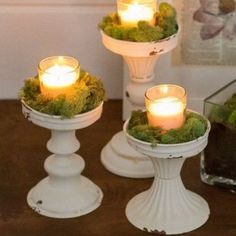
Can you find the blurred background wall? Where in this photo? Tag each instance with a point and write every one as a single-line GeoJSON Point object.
{"type": "Point", "coordinates": [34, 29]}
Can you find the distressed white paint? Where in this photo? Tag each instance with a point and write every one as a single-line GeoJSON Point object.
{"type": "Point", "coordinates": [168, 207]}
{"type": "Point", "coordinates": [121, 159]}
{"type": "Point", "coordinates": [65, 193]}
{"type": "Point", "coordinates": [117, 156]}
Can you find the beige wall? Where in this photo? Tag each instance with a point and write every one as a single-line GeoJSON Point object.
{"type": "Point", "coordinates": [35, 29]}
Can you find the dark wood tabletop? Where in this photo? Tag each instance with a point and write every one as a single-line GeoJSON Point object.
{"type": "Point", "coordinates": [23, 152]}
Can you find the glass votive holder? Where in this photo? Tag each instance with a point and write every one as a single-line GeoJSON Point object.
{"type": "Point", "coordinates": [133, 11]}
{"type": "Point", "coordinates": [166, 106]}
{"type": "Point", "coordinates": [57, 75]}
{"type": "Point", "coordinates": [218, 163]}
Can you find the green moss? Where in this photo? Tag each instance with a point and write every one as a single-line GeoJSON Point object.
{"type": "Point", "coordinates": [88, 94]}
{"type": "Point", "coordinates": [232, 118]}
{"type": "Point", "coordinates": [165, 26]}
{"type": "Point", "coordinates": [195, 126]}
{"type": "Point", "coordinates": [146, 133]}
{"type": "Point", "coordinates": [166, 10]}
{"type": "Point", "coordinates": [138, 118]}
{"type": "Point", "coordinates": [225, 114]}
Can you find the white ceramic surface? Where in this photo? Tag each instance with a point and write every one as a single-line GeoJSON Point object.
{"type": "Point", "coordinates": [168, 207]}
{"type": "Point", "coordinates": [139, 49]}
{"type": "Point", "coordinates": [117, 156]}
{"type": "Point", "coordinates": [65, 193]}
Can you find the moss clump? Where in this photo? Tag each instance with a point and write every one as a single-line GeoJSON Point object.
{"type": "Point", "coordinates": [194, 127]}
{"type": "Point", "coordinates": [138, 118]}
{"type": "Point", "coordinates": [225, 114]}
{"type": "Point", "coordinates": [88, 94]}
{"type": "Point", "coordinates": [165, 26]}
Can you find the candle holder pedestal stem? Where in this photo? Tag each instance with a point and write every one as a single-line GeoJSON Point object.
{"type": "Point", "coordinates": [168, 207]}
{"type": "Point", "coordinates": [141, 74]}
{"type": "Point", "coordinates": [117, 156]}
{"type": "Point", "coordinates": [65, 193]}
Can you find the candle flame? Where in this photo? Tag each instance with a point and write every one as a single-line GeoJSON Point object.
{"type": "Point", "coordinates": [166, 106]}
{"type": "Point", "coordinates": [164, 89]}
{"type": "Point", "coordinates": [136, 12]}
{"type": "Point", "coordinates": [59, 76]}
{"type": "Point", "coordinates": [60, 60]}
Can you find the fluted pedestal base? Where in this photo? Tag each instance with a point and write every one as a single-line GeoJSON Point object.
{"type": "Point", "coordinates": [121, 159]}
{"type": "Point", "coordinates": [66, 198]}
{"type": "Point", "coordinates": [167, 207]}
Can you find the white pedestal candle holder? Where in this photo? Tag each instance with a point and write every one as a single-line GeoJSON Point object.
{"type": "Point", "coordinates": [117, 156]}
{"type": "Point", "coordinates": [167, 207]}
{"type": "Point", "coordinates": [65, 193]}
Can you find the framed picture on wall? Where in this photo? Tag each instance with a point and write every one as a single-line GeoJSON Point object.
{"type": "Point", "coordinates": [209, 32]}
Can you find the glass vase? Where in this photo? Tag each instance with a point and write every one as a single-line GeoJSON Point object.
{"type": "Point", "coordinates": [218, 162]}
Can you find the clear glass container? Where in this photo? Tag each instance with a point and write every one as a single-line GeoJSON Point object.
{"type": "Point", "coordinates": [166, 106]}
{"type": "Point", "coordinates": [57, 75]}
{"type": "Point", "coordinates": [218, 162]}
{"type": "Point", "coordinates": [133, 11]}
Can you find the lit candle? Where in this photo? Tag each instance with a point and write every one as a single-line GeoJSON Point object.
{"type": "Point", "coordinates": [133, 11]}
{"type": "Point", "coordinates": [58, 75]}
{"type": "Point", "coordinates": [166, 106]}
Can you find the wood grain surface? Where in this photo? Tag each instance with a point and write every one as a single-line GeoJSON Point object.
{"type": "Point", "coordinates": [22, 154]}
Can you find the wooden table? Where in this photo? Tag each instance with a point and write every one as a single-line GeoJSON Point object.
{"type": "Point", "coordinates": [23, 151]}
